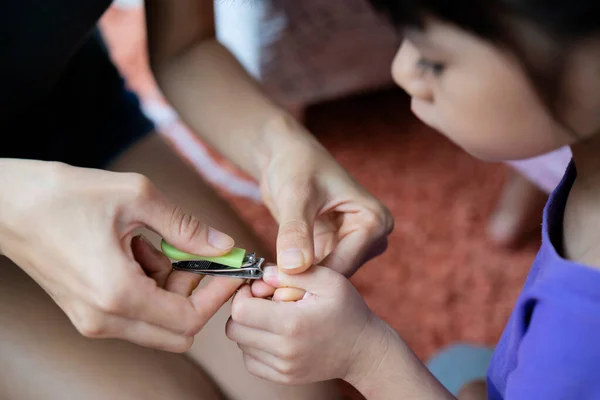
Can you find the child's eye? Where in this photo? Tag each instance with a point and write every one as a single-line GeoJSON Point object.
{"type": "Point", "coordinates": [435, 68]}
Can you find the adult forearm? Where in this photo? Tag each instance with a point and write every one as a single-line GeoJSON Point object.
{"type": "Point", "coordinates": [209, 88]}
{"type": "Point", "coordinates": [387, 368]}
{"type": "Point", "coordinates": [17, 201]}
{"type": "Point", "coordinates": [217, 98]}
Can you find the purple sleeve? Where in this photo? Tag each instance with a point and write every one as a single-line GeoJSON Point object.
{"type": "Point", "coordinates": [559, 355]}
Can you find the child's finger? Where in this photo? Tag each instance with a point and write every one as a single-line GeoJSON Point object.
{"type": "Point", "coordinates": [182, 282]}
{"type": "Point", "coordinates": [288, 294]}
{"type": "Point", "coordinates": [261, 314]}
{"type": "Point", "coordinates": [261, 370]}
{"type": "Point", "coordinates": [262, 290]}
{"type": "Point", "coordinates": [250, 337]}
{"type": "Point", "coordinates": [210, 298]}
{"type": "Point", "coordinates": [265, 357]}
{"type": "Point", "coordinates": [243, 293]}
{"type": "Point", "coordinates": [318, 280]}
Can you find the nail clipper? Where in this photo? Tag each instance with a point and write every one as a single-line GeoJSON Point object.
{"type": "Point", "coordinates": [235, 264]}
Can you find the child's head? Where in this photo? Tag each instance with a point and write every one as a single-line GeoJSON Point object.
{"type": "Point", "coordinates": [505, 79]}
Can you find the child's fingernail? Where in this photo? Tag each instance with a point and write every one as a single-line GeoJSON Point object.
{"type": "Point", "coordinates": [270, 273]}
{"type": "Point", "coordinates": [291, 259]}
{"type": "Point", "coordinates": [219, 239]}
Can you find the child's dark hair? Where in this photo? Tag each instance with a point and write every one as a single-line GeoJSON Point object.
{"type": "Point", "coordinates": [564, 19]}
{"type": "Point", "coordinates": [561, 24]}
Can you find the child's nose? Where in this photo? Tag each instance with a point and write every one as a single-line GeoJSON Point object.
{"type": "Point", "coordinates": [408, 75]}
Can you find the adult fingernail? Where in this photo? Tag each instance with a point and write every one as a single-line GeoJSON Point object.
{"type": "Point", "coordinates": [219, 239]}
{"type": "Point", "coordinates": [270, 273]}
{"type": "Point", "coordinates": [291, 259]}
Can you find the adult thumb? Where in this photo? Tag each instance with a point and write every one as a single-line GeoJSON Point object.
{"type": "Point", "coordinates": [181, 229]}
{"type": "Point", "coordinates": [295, 239]}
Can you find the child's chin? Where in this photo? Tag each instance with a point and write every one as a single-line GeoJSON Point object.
{"type": "Point", "coordinates": [488, 152]}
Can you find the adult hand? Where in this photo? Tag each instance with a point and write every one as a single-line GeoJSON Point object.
{"type": "Point", "coordinates": [324, 215]}
{"type": "Point", "coordinates": [72, 230]}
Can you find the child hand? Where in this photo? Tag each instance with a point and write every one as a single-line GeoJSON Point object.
{"type": "Point", "coordinates": [314, 339]}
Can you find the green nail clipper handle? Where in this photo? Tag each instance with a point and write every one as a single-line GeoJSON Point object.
{"type": "Point", "coordinates": [233, 259]}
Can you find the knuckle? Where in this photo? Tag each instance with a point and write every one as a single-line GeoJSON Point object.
{"type": "Point", "coordinates": [294, 229]}
{"type": "Point", "coordinates": [112, 300]}
{"type": "Point", "coordinates": [141, 185]}
{"type": "Point", "coordinates": [237, 310]}
{"type": "Point", "coordinates": [109, 304]}
{"type": "Point", "coordinates": [194, 328]}
{"type": "Point", "coordinates": [182, 345]}
{"type": "Point", "coordinates": [91, 327]}
{"type": "Point", "coordinates": [287, 367]}
{"type": "Point", "coordinates": [287, 380]}
{"type": "Point", "coordinates": [379, 220]}
{"type": "Point", "coordinates": [187, 226]}
{"type": "Point", "coordinates": [372, 220]}
{"type": "Point", "coordinates": [289, 352]}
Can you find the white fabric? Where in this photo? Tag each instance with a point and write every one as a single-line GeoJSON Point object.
{"type": "Point", "coordinates": [308, 51]}
{"type": "Point", "coordinates": [238, 25]}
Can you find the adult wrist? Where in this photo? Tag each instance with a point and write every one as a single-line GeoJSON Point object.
{"type": "Point", "coordinates": [24, 184]}
{"type": "Point", "coordinates": [282, 131]}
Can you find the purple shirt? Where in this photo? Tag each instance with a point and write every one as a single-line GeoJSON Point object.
{"type": "Point", "coordinates": [550, 348]}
